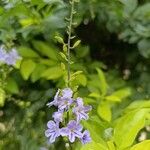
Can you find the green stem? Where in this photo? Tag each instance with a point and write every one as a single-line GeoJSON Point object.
{"type": "Point", "coordinates": [69, 41]}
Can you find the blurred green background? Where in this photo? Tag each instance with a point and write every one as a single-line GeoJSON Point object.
{"type": "Point", "coordinates": [114, 56]}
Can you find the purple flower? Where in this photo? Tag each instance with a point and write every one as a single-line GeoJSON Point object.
{"type": "Point", "coordinates": [2, 54]}
{"type": "Point", "coordinates": [67, 93]}
{"type": "Point", "coordinates": [65, 103]}
{"type": "Point", "coordinates": [86, 137]}
{"type": "Point", "coordinates": [79, 101]}
{"type": "Point", "coordinates": [58, 116]}
{"type": "Point", "coordinates": [12, 57]}
{"type": "Point", "coordinates": [81, 111]}
{"type": "Point", "coordinates": [56, 99]}
{"type": "Point", "coordinates": [72, 130]}
{"type": "Point", "coordinates": [53, 131]}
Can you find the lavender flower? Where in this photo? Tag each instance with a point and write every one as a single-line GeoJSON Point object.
{"type": "Point", "coordinates": [67, 93]}
{"type": "Point", "coordinates": [81, 111]}
{"type": "Point", "coordinates": [58, 116]}
{"type": "Point", "coordinates": [2, 54]}
{"type": "Point", "coordinates": [12, 57]}
{"type": "Point", "coordinates": [86, 137]}
{"type": "Point", "coordinates": [53, 131]}
{"type": "Point", "coordinates": [64, 102]}
{"type": "Point", "coordinates": [56, 99]}
{"type": "Point", "coordinates": [72, 130]}
{"type": "Point", "coordinates": [8, 58]}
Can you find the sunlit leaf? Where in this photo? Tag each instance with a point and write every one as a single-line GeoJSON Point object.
{"type": "Point", "coordinates": [104, 111]}
{"type": "Point", "coordinates": [52, 73]}
{"type": "Point", "coordinates": [2, 97]}
{"type": "Point", "coordinates": [27, 67]}
{"type": "Point", "coordinates": [145, 145]}
{"type": "Point", "coordinates": [103, 83]}
{"type": "Point", "coordinates": [128, 126]}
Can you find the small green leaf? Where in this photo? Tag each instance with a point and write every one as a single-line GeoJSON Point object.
{"type": "Point", "coordinates": [2, 97]}
{"type": "Point", "coordinates": [59, 39]}
{"type": "Point", "coordinates": [122, 93]}
{"type": "Point", "coordinates": [12, 86]}
{"type": "Point", "coordinates": [117, 96]}
{"type": "Point", "coordinates": [76, 73]}
{"type": "Point", "coordinates": [27, 67]}
{"type": "Point", "coordinates": [45, 49]}
{"type": "Point", "coordinates": [104, 111]}
{"type": "Point", "coordinates": [94, 95]}
{"type": "Point", "coordinates": [63, 66]}
{"type": "Point", "coordinates": [65, 48]}
{"type": "Point", "coordinates": [28, 21]}
{"type": "Point", "coordinates": [63, 56]}
{"type": "Point", "coordinates": [36, 74]}
{"type": "Point", "coordinates": [112, 98]}
{"type": "Point", "coordinates": [82, 80]}
{"type": "Point", "coordinates": [52, 73]}
{"type": "Point", "coordinates": [27, 52]}
{"type": "Point", "coordinates": [76, 43]}
{"type": "Point", "coordinates": [144, 48]}
{"type": "Point", "coordinates": [103, 83]}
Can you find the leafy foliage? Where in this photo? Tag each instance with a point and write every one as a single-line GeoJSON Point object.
{"type": "Point", "coordinates": [110, 68]}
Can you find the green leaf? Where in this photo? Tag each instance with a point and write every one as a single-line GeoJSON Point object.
{"type": "Point", "coordinates": [96, 128]}
{"type": "Point", "coordinates": [129, 5]}
{"type": "Point", "coordinates": [28, 22]}
{"type": "Point", "coordinates": [59, 39]}
{"type": "Point", "coordinates": [45, 49]}
{"type": "Point", "coordinates": [138, 104]}
{"type": "Point", "coordinates": [77, 73]}
{"type": "Point", "coordinates": [27, 67]}
{"type": "Point", "coordinates": [117, 96]}
{"type": "Point", "coordinates": [112, 98]}
{"type": "Point", "coordinates": [76, 43]}
{"type": "Point", "coordinates": [95, 95]}
{"type": "Point", "coordinates": [2, 97]}
{"type": "Point", "coordinates": [104, 111]}
{"type": "Point", "coordinates": [144, 48]}
{"type": "Point", "coordinates": [94, 146]}
{"type": "Point", "coordinates": [36, 74]}
{"type": "Point", "coordinates": [81, 79]}
{"type": "Point", "coordinates": [12, 86]}
{"type": "Point", "coordinates": [52, 73]}
{"type": "Point", "coordinates": [128, 126]}
{"type": "Point", "coordinates": [103, 83]}
{"type": "Point", "coordinates": [145, 145]}
{"type": "Point", "coordinates": [111, 145]}
{"type": "Point", "coordinates": [63, 56]}
{"type": "Point", "coordinates": [27, 52]}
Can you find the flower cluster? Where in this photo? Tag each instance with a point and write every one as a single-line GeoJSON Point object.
{"type": "Point", "coordinates": [72, 129]}
{"type": "Point", "coordinates": [10, 57]}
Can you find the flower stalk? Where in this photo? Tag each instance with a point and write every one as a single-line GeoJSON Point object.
{"type": "Point", "coordinates": [69, 41]}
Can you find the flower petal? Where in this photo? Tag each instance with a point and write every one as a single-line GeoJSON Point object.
{"type": "Point", "coordinates": [67, 93]}
{"type": "Point", "coordinates": [51, 124]}
{"type": "Point", "coordinates": [48, 133]}
{"type": "Point", "coordinates": [71, 137]}
{"type": "Point", "coordinates": [64, 131]}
